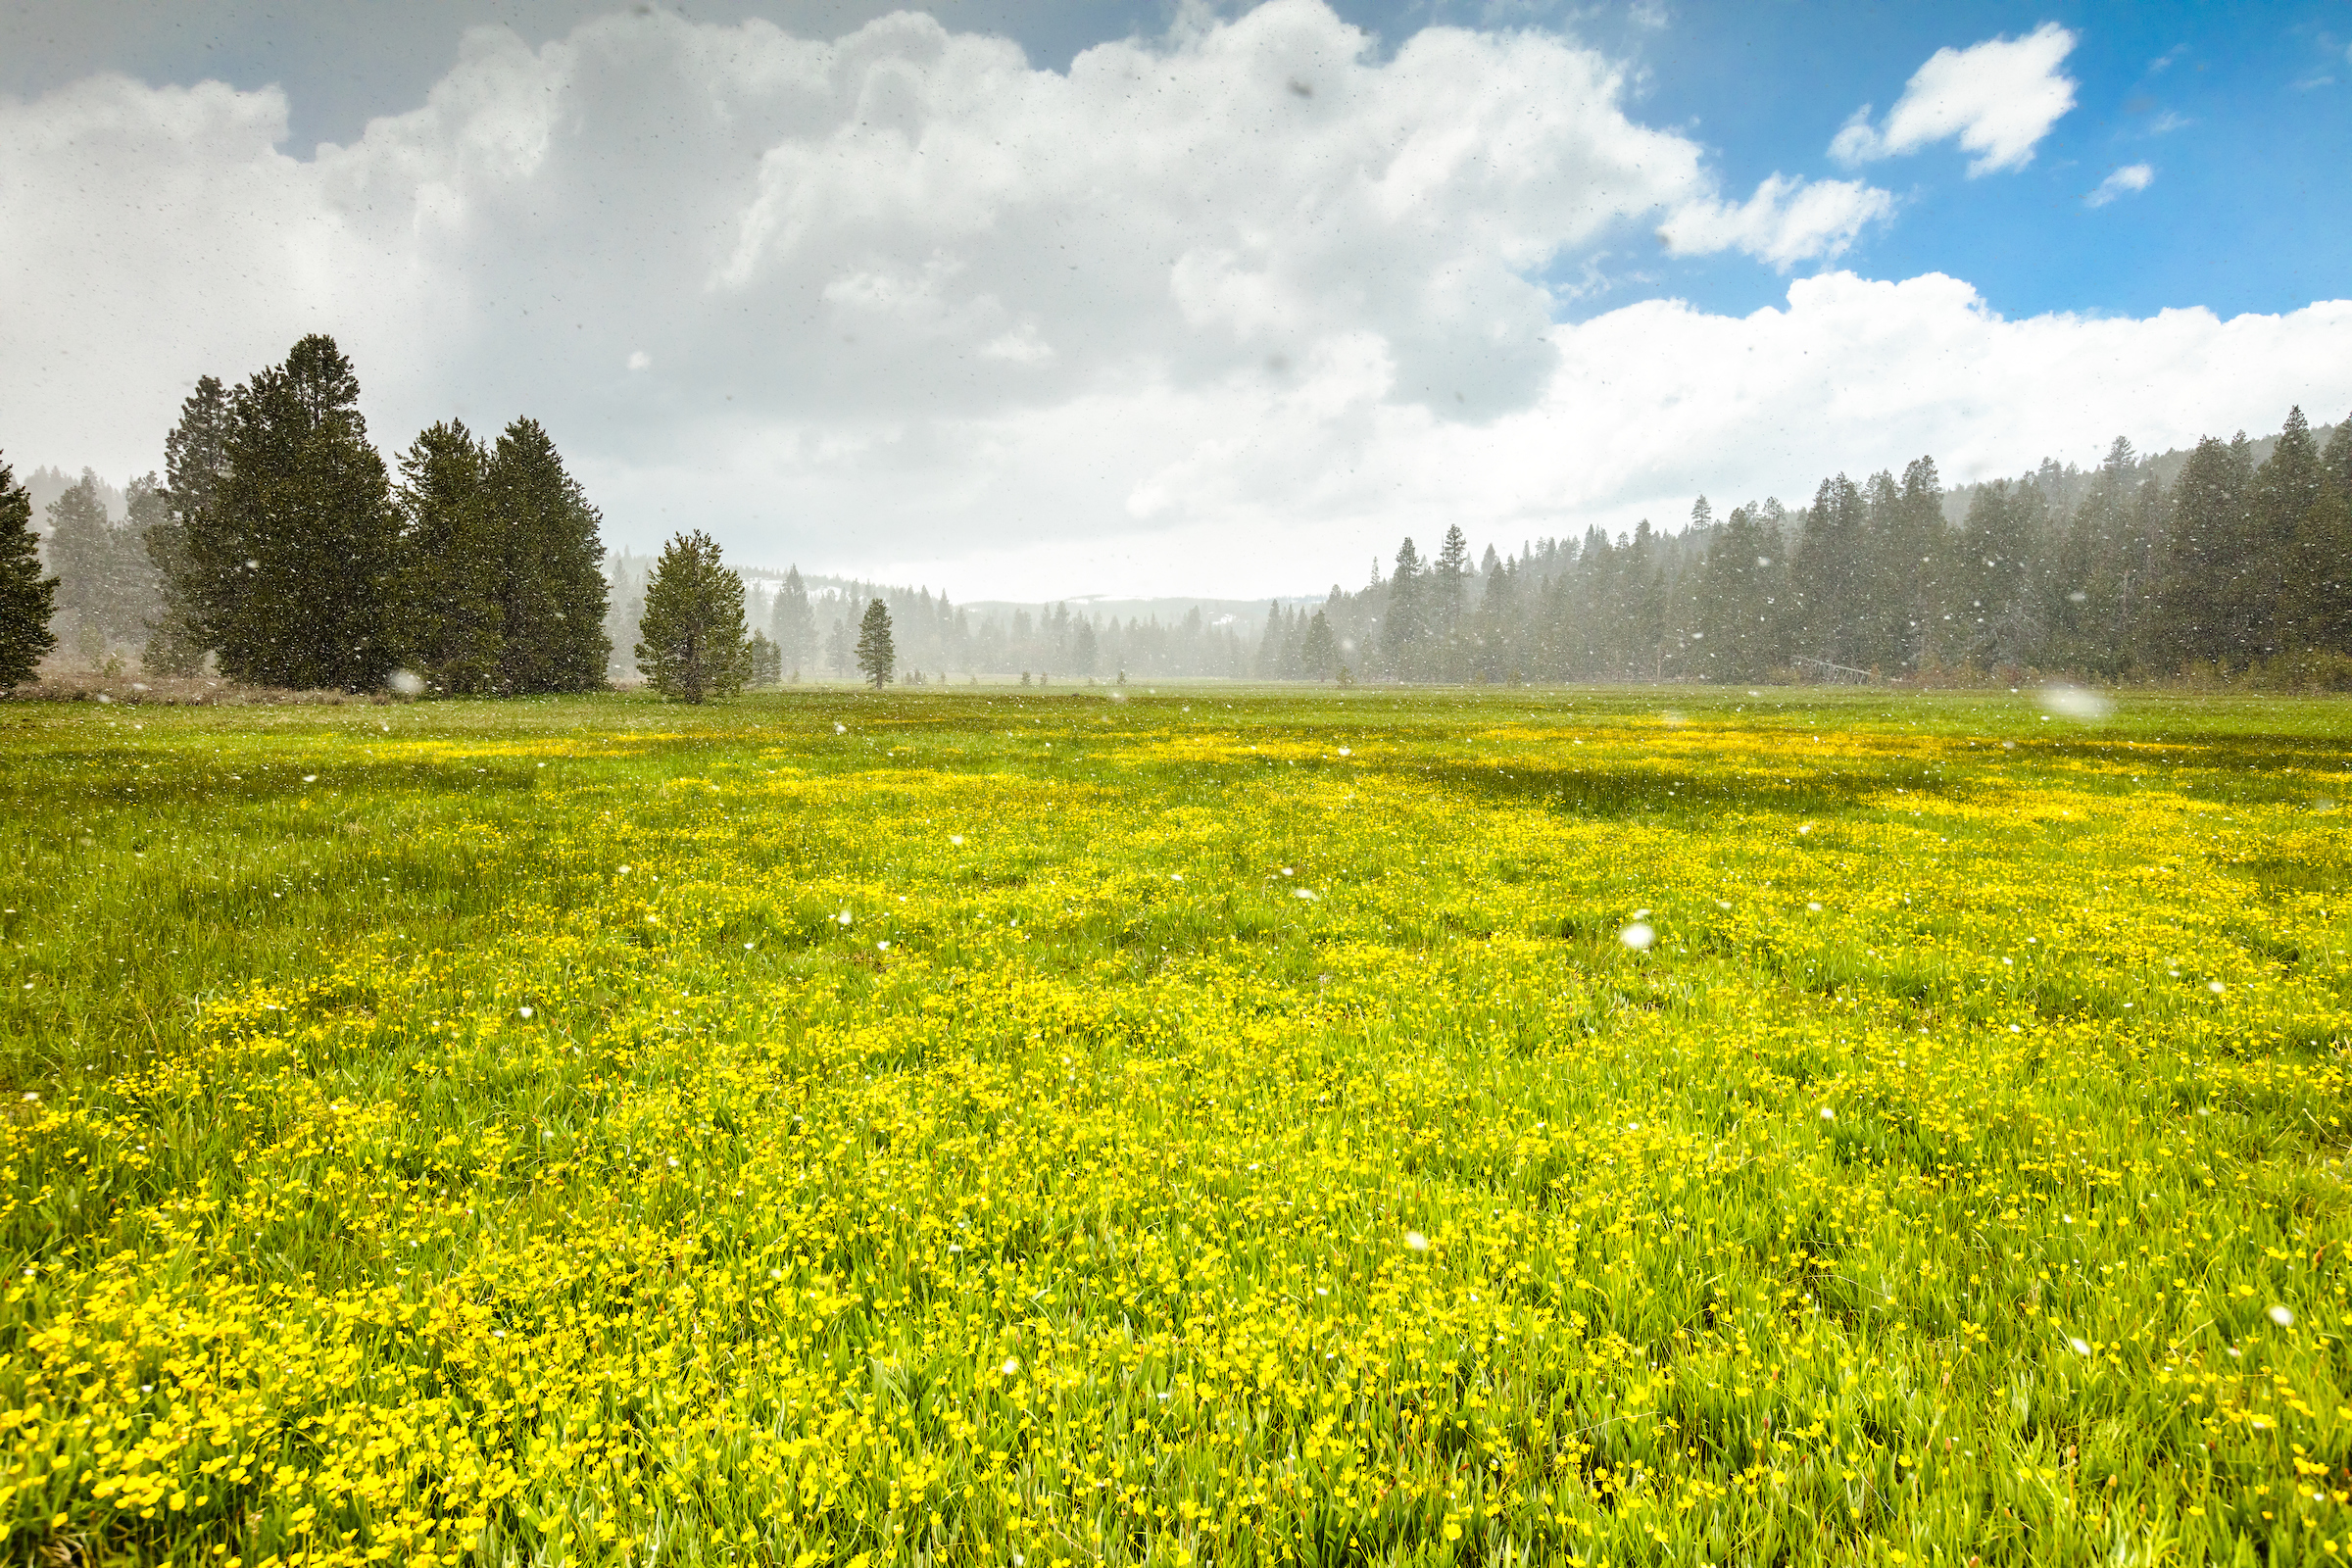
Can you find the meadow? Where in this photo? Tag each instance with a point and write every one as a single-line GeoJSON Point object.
{"type": "Point", "coordinates": [1192, 1126]}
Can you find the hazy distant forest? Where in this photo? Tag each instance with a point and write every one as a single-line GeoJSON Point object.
{"type": "Point", "coordinates": [482, 563]}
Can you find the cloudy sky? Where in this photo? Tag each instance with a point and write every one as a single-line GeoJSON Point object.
{"type": "Point", "coordinates": [1044, 299]}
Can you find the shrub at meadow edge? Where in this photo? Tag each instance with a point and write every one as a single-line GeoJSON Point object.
{"type": "Point", "coordinates": [991, 1127]}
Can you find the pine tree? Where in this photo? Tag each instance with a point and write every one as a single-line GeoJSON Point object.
{"type": "Point", "coordinates": [1083, 649]}
{"type": "Point", "coordinates": [791, 622]}
{"type": "Point", "coordinates": [877, 656]}
{"type": "Point", "coordinates": [692, 637]}
{"type": "Point", "coordinates": [456, 627]}
{"type": "Point", "coordinates": [138, 607]}
{"type": "Point", "coordinates": [1319, 651]}
{"type": "Point", "coordinates": [1449, 577]}
{"type": "Point", "coordinates": [2006, 606]}
{"type": "Point", "coordinates": [2335, 464]}
{"type": "Point", "coordinates": [1736, 585]}
{"type": "Point", "coordinates": [26, 598]}
{"type": "Point", "coordinates": [1922, 549]}
{"type": "Point", "coordinates": [1829, 574]}
{"type": "Point", "coordinates": [2199, 608]}
{"type": "Point", "coordinates": [1269, 643]}
{"type": "Point", "coordinates": [105, 580]}
{"type": "Point", "coordinates": [766, 662]}
{"type": "Point", "coordinates": [313, 602]}
{"type": "Point", "coordinates": [81, 550]}
{"type": "Point", "coordinates": [548, 583]}
{"type": "Point", "coordinates": [187, 547]}
{"type": "Point", "coordinates": [2286, 487]}
{"type": "Point", "coordinates": [1407, 623]}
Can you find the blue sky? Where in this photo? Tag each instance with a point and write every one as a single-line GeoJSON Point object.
{"type": "Point", "coordinates": [916, 308]}
{"type": "Point", "coordinates": [2243, 113]}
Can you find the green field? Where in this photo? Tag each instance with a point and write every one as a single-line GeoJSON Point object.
{"type": "Point", "coordinates": [1195, 1126]}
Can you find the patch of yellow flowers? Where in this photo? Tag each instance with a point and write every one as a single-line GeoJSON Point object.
{"type": "Point", "coordinates": [1328, 1132]}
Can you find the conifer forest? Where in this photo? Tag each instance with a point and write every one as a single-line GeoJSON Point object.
{"type": "Point", "coordinates": [280, 544]}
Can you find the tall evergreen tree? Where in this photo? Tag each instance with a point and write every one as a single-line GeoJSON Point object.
{"type": "Point", "coordinates": [81, 550]}
{"type": "Point", "coordinates": [1829, 573]}
{"type": "Point", "coordinates": [2286, 487]}
{"type": "Point", "coordinates": [2089, 566]}
{"type": "Point", "coordinates": [1921, 551]}
{"type": "Point", "coordinates": [550, 587]}
{"type": "Point", "coordinates": [26, 598]}
{"type": "Point", "coordinates": [2201, 610]}
{"type": "Point", "coordinates": [1881, 611]}
{"type": "Point", "coordinates": [692, 635]}
{"type": "Point", "coordinates": [1269, 643]}
{"type": "Point", "coordinates": [1407, 623]}
{"type": "Point", "coordinates": [313, 602]}
{"type": "Point", "coordinates": [1737, 586]}
{"type": "Point", "coordinates": [791, 622]}
{"type": "Point", "coordinates": [2335, 464]}
{"type": "Point", "coordinates": [877, 654]}
{"type": "Point", "coordinates": [188, 546]}
{"type": "Point", "coordinates": [2006, 601]}
{"type": "Point", "coordinates": [139, 608]}
{"type": "Point", "coordinates": [455, 625]}
{"type": "Point", "coordinates": [1319, 651]}
{"type": "Point", "coordinates": [1448, 590]}
{"type": "Point", "coordinates": [766, 662]}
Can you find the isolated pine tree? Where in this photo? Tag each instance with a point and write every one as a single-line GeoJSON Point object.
{"type": "Point", "coordinates": [454, 628]}
{"type": "Point", "coordinates": [691, 637]}
{"type": "Point", "coordinates": [313, 602]}
{"type": "Point", "coordinates": [26, 598]}
{"type": "Point", "coordinates": [187, 546]}
{"type": "Point", "coordinates": [550, 585]}
{"type": "Point", "coordinates": [877, 657]}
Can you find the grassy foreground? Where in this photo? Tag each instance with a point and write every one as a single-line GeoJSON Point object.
{"type": "Point", "coordinates": [1203, 1127]}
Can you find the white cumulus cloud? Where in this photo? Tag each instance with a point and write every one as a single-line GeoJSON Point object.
{"type": "Point", "coordinates": [2123, 182]}
{"type": "Point", "coordinates": [1786, 222]}
{"type": "Point", "coordinates": [1997, 99]}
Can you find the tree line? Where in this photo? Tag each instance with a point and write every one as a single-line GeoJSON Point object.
{"type": "Point", "coordinates": [281, 545]}
{"type": "Point", "coordinates": [2238, 566]}
{"type": "Point", "coordinates": [280, 548]}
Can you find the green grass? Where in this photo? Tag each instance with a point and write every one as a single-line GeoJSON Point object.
{"type": "Point", "coordinates": [1923, 1191]}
